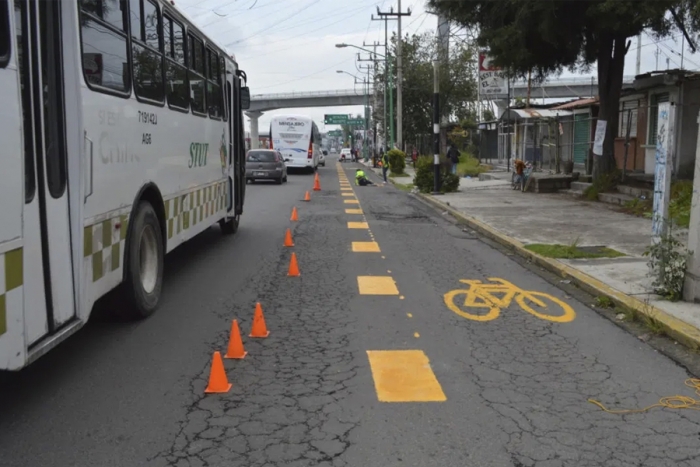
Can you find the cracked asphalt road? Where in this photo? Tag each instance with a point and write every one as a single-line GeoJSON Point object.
{"type": "Point", "coordinates": [517, 387]}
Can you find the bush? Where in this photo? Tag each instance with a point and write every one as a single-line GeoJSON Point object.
{"type": "Point", "coordinates": [397, 161]}
{"type": "Point", "coordinates": [424, 179]}
{"type": "Point", "coordinates": [681, 199]}
{"type": "Point", "coordinates": [469, 165]}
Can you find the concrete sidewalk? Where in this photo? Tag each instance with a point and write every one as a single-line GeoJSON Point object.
{"type": "Point", "coordinates": [516, 219]}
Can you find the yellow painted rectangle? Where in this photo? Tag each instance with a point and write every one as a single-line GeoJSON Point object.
{"type": "Point", "coordinates": [345, 188]}
{"type": "Point", "coordinates": [348, 194]}
{"type": "Point", "coordinates": [365, 247]}
{"type": "Point", "coordinates": [377, 285]}
{"type": "Point", "coordinates": [404, 376]}
{"type": "Point", "coordinates": [351, 201]}
{"type": "Point", "coordinates": [353, 211]}
{"type": "Point", "coordinates": [358, 225]}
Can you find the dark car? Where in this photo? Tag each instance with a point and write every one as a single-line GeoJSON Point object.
{"type": "Point", "coordinates": [265, 164]}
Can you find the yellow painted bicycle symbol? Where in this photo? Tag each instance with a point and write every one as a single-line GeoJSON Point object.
{"type": "Point", "coordinates": [498, 295]}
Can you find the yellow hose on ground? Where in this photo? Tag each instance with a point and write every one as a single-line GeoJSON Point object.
{"type": "Point", "coordinates": [670, 402]}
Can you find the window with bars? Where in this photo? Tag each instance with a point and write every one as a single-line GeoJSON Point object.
{"type": "Point", "coordinates": [628, 112]}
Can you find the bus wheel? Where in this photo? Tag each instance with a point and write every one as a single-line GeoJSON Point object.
{"type": "Point", "coordinates": [230, 227]}
{"type": "Point", "coordinates": [144, 263]}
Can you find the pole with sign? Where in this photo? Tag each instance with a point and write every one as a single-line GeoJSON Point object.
{"type": "Point", "coordinates": [662, 171]}
{"type": "Point", "coordinates": [335, 119]}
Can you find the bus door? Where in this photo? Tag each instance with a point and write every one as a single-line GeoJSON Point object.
{"type": "Point", "coordinates": [49, 297]}
{"type": "Point", "coordinates": [237, 138]}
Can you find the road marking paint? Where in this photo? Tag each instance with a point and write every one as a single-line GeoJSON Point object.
{"type": "Point", "coordinates": [343, 188]}
{"type": "Point", "coordinates": [409, 315]}
{"type": "Point", "coordinates": [377, 285]}
{"type": "Point", "coordinates": [351, 201]}
{"type": "Point", "coordinates": [348, 194]}
{"type": "Point", "coordinates": [404, 376]}
{"type": "Point", "coordinates": [498, 295]}
{"type": "Point", "coordinates": [388, 271]}
{"type": "Point", "coordinates": [353, 211]}
{"type": "Point", "coordinates": [383, 257]}
{"type": "Point", "coordinates": [365, 247]}
{"type": "Point", "coordinates": [357, 225]}
{"type": "Point", "coordinates": [401, 297]}
{"type": "Point", "coordinates": [416, 335]}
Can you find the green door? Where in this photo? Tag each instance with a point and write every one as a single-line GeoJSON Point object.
{"type": "Point", "coordinates": [582, 132]}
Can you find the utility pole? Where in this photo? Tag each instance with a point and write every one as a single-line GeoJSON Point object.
{"type": "Point", "coordinates": [365, 147]}
{"type": "Point", "coordinates": [374, 100]}
{"type": "Point", "coordinates": [639, 54]}
{"type": "Point", "coordinates": [388, 134]}
{"type": "Point", "coordinates": [399, 73]}
{"type": "Point", "coordinates": [436, 127]}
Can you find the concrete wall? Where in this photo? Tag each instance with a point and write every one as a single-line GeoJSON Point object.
{"type": "Point", "coordinates": [688, 127]}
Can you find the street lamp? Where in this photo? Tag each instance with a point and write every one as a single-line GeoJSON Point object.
{"type": "Point", "coordinates": [366, 92]}
{"type": "Point", "coordinates": [343, 45]}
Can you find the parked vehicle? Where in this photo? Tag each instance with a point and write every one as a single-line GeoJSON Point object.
{"type": "Point", "coordinates": [322, 158]}
{"type": "Point", "coordinates": [345, 155]}
{"type": "Point", "coordinates": [265, 164]}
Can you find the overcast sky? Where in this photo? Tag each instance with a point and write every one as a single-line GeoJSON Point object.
{"type": "Point", "coordinates": [287, 46]}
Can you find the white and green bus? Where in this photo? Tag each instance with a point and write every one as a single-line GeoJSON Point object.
{"type": "Point", "coordinates": [121, 133]}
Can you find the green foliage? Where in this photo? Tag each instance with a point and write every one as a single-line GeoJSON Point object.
{"type": "Point", "coordinates": [605, 182]}
{"type": "Point", "coordinates": [458, 86]}
{"type": "Point", "coordinates": [667, 265]}
{"type": "Point", "coordinates": [397, 161]}
{"type": "Point", "coordinates": [546, 37]}
{"type": "Point", "coordinates": [469, 165]}
{"type": "Point", "coordinates": [489, 115]}
{"type": "Point", "coordinates": [681, 199]}
{"type": "Point", "coordinates": [425, 176]}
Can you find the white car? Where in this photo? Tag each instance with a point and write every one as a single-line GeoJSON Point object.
{"type": "Point", "coordinates": [322, 158]}
{"type": "Point", "coordinates": [345, 155]}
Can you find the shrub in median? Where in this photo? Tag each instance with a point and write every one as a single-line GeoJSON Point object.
{"type": "Point", "coordinates": [424, 179]}
{"type": "Point", "coordinates": [397, 161]}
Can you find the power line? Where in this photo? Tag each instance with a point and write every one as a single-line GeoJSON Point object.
{"type": "Point", "coordinates": [314, 2]}
{"type": "Point", "coordinates": [306, 76]}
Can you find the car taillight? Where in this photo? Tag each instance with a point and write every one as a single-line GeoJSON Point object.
{"type": "Point", "coordinates": [271, 144]}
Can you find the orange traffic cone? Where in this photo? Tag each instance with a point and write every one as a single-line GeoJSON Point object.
{"type": "Point", "coordinates": [218, 382]}
{"type": "Point", "coordinates": [235, 344]}
{"type": "Point", "coordinates": [259, 328]}
{"type": "Point", "coordinates": [307, 197]}
{"type": "Point", "coordinates": [317, 183]}
{"type": "Point", "coordinates": [295, 215]}
{"type": "Point", "coordinates": [288, 238]}
{"type": "Point", "coordinates": [293, 267]}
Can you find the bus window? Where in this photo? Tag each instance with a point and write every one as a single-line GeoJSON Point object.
{"type": "Point", "coordinates": [213, 84]}
{"type": "Point", "coordinates": [196, 75]}
{"type": "Point", "coordinates": [227, 100]}
{"type": "Point", "coordinates": [176, 86]}
{"type": "Point", "coordinates": [147, 60]}
{"type": "Point", "coordinates": [4, 34]}
{"type": "Point", "coordinates": [103, 28]}
{"type": "Point", "coordinates": [21, 17]}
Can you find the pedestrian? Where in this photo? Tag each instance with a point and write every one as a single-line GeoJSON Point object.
{"type": "Point", "coordinates": [385, 165]}
{"type": "Point", "coordinates": [361, 179]}
{"type": "Point", "coordinates": [453, 156]}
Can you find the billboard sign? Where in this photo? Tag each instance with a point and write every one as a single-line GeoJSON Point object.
{"type": "Point", "coordinates": [493, 81]}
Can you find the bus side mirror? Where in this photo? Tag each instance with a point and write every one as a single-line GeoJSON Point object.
{"type": "Point", "coordinates": [245, 98]}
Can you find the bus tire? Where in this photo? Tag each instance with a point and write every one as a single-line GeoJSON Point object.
{"type": "Point", "coordinates": [143, 279]}
{"type": "Point", "coordinates": [230, 227]}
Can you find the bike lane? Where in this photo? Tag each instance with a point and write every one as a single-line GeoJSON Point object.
{"type": "Point", "coordinates": [516, 384]}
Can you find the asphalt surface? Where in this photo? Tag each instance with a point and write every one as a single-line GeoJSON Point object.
{"type": "Point", "coordinates": [516, 387]}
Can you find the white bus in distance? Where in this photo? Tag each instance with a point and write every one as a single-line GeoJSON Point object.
{"type": "Point", "coordinates": [297, 138]}
{"type": "Point", "coordinates": [122, 137]}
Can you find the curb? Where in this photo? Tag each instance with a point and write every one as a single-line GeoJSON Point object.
{"type": "Point", "coordinates": [674, 327]}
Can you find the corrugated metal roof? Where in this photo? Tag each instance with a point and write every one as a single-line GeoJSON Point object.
{"type": "Point", "coordinates": [577, 104]}
{"type": "Point", "coordinates": [536, 113]}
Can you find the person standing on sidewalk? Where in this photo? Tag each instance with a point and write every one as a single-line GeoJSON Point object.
{"type": "Point", "coordinates": [385, 165]}
{"type": "Point", "coordinates": [453, 156]}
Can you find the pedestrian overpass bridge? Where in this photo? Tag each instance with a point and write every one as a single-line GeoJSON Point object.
{"type": "Point", "coordinates": [551, 89]}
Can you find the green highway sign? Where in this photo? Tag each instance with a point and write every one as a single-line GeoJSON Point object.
{"type": "Point", "coordinates": [356, 121]}
{"type": "Point", "coordinates": [335, 119]}
{"type": "Point", "coordinates": [335, 133]}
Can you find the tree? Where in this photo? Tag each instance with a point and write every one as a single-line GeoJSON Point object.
{"type": "Point", "coordinates": [458, 86]}
{"type": "Point", "coordinates": [545, 37]}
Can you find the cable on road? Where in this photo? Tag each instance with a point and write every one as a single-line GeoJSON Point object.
{"type": "Point", "coordinates": [670, 402]}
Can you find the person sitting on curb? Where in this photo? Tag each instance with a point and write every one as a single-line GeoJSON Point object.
{"type": "Point", "coordinates": [361, 179]}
